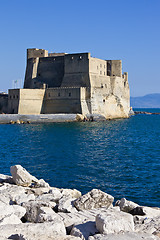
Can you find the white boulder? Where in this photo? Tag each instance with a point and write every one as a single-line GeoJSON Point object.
{"type": "Point", "coordinates": [113, 221]}
{"type": "Point", "coordinates": [124, 236]}
{"type": "Point", "coordinates": [24, 198]}
{"type": "Point", "coordinates": [66, 204]}
{"type": "Point", "coordinates": [94, 199]}
{"type": "Point", "coordinates": [10, 219]}
{"type": "Point", "coordinates": [32, 209]}
{"type": "Point", "coordinates": [33, 231]}
{"type": "Point", "coordinates": [84, 230]}
{"type": "Point", "coordinates": [126, 205]}
{"type": "Point", "coordinates": [46, 214]}
{"type": "Point", "coordinates": [21, 177]}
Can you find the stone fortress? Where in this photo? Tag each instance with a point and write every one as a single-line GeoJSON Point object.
{"type": "Point", "coordinates": [71, 83]}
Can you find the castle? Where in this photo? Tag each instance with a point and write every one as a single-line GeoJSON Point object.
{"type": "Point", "coordinates": [71, 83]}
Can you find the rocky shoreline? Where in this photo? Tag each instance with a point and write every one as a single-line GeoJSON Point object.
{"type": "Point", "coordinates": [32, 210]}
{"type": "Point", "coordinates": [147, 113]}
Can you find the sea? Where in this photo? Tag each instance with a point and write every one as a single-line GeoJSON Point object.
{"type": "Point", "coordinates": [120, 157]}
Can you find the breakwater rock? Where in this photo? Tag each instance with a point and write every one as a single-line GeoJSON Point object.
{"type": "Point", "coordinates": [30, 209]}
{"type": "Point", "coordinates": [147, 113]}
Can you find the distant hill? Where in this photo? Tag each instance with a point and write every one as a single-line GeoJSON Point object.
{"type": "Point", "coordinates": [147, 101]}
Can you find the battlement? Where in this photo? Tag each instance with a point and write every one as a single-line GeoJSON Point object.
{"type": "Point", "coordinates": [35, 52]}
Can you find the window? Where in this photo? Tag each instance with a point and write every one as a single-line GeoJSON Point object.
{"type": "Point", "coordinates": [104, 100]}
{"type": "Point", "coordinates": [100, 72]}
{"type": "Point", "coordinates": [59, 94]}
{"type": "Point", "coordinates": [100, 65]}
{"type": "Point", "coordinates": [69, 94]}
{"type": "Point", "coordinates": [48, 94]}
{"type": "Point", "coordinates": [97, 67]}
{"type": "Point", "coordinates": [101, 85]}
{"type": "Point", "coordinates": [104, 66]}
{"type": "Point", "coordinates": [104, 73]}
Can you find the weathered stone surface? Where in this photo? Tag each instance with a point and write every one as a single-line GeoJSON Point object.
{"type": "Point", "coordinates": [10, 219]}
{"type": "Point", "coordinates": [66, 204]}
{"type": "Point", "coordinates": [33, 230]}
{"type": "Point", "coordinates": [94, 199]}
{"type": "Point", "coordinates": [41, 183]}
{"type": "Point", "coordinates": [10, 192]}
{"type": "Point", "coordinates": [32, 236]}
{"type": "Point", "coordinates": [84, 230]}
{"type": "Point", "coordinates": [149, 225]}
{"type": "Point", "coordinates": [39, 191]}
{"type": "Point", "coordinates": [71, 219]}
{"type": "Point", "coordinates": [56, 194]}
{"type": "Point", "coordinates": [74, 193]}
{"type": "Point", "coordinates": [7, 210]}
{"type": "Point", "coordinates": [6, 179]}
{"type": "Point", "coordinates": [24, 198]}
{"type": "Point", "coordinates": [148, 212]}
{"type": "Point", "coordinates": [126, 205]}
{"type": "Point", "coordinates": [124, 236]}
{"type": "Point", "coordinates": [19, 211]}
{"type": "Point", "coordinates": [32, 208]}
{"type": "Point", "coordinates": [46, 214]}
{"type": "Point", "coordinates": [113, 221]}
{"type": "Point", "coordinates": [21, 177]}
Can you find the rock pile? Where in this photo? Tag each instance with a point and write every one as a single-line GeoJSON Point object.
{"type": "Point", "coordinates": [32, 210]}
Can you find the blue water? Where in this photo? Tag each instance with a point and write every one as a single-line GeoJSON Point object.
{"type": "Point", "coordinates": [120, 157]}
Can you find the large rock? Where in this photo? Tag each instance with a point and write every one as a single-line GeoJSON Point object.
{"type": "Point", "coordinates": [33, 230]}
{"type": "Point", "coordinates": [113, 221]}
{"type": "Point", "coordinates": [84, 230]}
{"type": "Point", "coordinates": [10, 219]}
{"type": "Point", "coordinates": [24, 198]}
{"type": "Point", "coordinates": [71, 219]}
{"type": "Point", "coordinates": [66, 204]}
{"type": "Point", "coordinates": [7, 210]}
{"type": "Point", "coordinates": [94, 199]}
{"type": "Point", "coordinates": [148, 212]}
{"type": "Point", "coordinates": [21, 177]}
{"type": "Point", "coordinates": [10, 192]}
{"type": "Point", "coordinates": [73, 193]}
{"type": "Point", "coordinates": [124, 236]}
{"type": "Point", "coordinates": [56, 194]}
{"type": "Point", "coordinates": [149, 225]}
{"type": "Point", "coordinates": [6, 179]}
{"type": "Point", "coordinates": [32, 209]}
{"type": "Point", "coordinates": [126, 205]}
{"type": "Point", "coordinates": [46, 214]}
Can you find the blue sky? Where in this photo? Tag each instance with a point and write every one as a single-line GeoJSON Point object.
{"type": "Point", "coordinates": [115, 29]}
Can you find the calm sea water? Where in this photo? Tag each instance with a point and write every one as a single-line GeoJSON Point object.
{"type": "Point", "coordinates": [120, 157]}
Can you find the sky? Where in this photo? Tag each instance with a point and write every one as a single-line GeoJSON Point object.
{"type": "Point", "coordinates": [117, 29]}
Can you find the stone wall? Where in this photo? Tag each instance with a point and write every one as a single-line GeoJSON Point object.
{"type": "Point", "coordinates": [3, 103]}
{"type": "Point", "coordinates": [62, 100]}
{"type": "Point", "coordinates": [25, 101]}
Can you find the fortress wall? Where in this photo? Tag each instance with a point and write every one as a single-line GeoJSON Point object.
{"type": "Point", "coordinates": [13, 100]}
{"type": "Point", "coordinates": [31, 72]}
{"type": "Point", "coordinates": [3, 103]}
{"type": "Point", "coordinates": [26, 101]}
{"type": "Point", "coordinates": [31, 101]}
{"type": "Point", "coordinates": [35, 52]}
{"type": "Point", "coordinates": [97, 66]}
{"type": "Point", "coordinates": [116, 67]}
{"type": "Point", "coordinates": [76, 69]}
{"type": "Point", "coordinates": [51, 71]}
{"type": "Point", "coordinates": [62, 100]}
